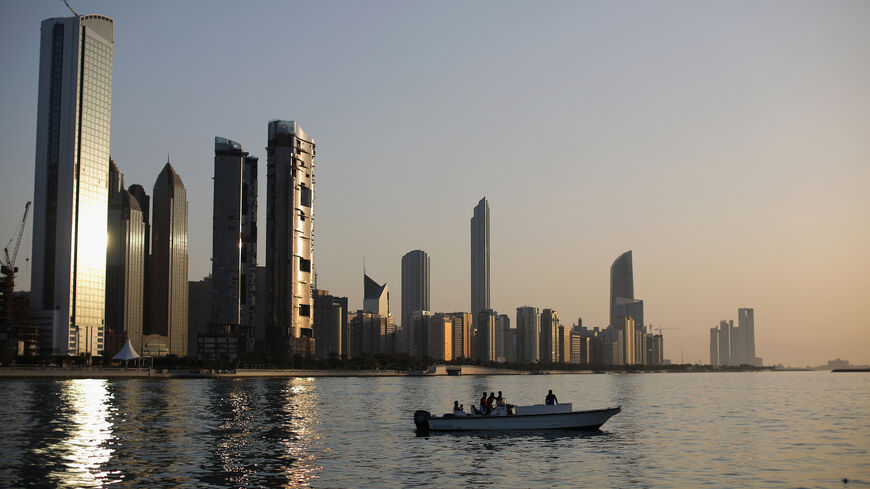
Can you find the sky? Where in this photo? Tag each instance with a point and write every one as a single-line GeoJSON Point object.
{"type": "Point", "coordinates": [726, 143]}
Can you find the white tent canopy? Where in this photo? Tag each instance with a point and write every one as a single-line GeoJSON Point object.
{"type": "Point", "coordinates": [126, 353]}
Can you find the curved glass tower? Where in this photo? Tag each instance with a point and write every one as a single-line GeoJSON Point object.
{"type": "Point", "coordinates": [621, 282]}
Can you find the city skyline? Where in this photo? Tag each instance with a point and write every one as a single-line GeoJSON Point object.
{"type": "Point", "coordinates": [750, 257]}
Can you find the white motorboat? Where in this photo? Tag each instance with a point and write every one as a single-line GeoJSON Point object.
{"type": "Point", "coordinates": [536, 417]}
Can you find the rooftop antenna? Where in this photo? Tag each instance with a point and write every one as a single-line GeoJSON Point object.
{"type": "Point", "coordinates": [70, 8]}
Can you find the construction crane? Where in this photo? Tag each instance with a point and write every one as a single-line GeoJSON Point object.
{"type": "Point", "coordinates": [8, 269]}
{"type": "Point", "coordinates": [653, 328]}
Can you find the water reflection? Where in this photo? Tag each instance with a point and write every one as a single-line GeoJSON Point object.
{"type": "Point", "coordinates": [85, 449]}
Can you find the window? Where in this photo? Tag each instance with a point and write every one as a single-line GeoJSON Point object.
{"type": "Point", "coordinates": [304, 310]}
{"type": "Point", "coordinates": [304, 265]}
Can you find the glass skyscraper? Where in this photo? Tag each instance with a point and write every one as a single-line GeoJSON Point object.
{"type": "Point", "coordinates": [415, 283]}
{"type": "Point", "coordinates": [71, 183]}
{"type": "Point", "coordinates": [168, 278]}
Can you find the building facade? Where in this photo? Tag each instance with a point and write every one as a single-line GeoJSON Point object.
{"type": "Point", "coordinates": [289, 238]}
{"type": "Point", "coordinates": [415, 283]}
{"type": "Point", "coordinates": [621, 283]}
{"type": "Point", "coordinates": [480, 289]}
{"type": "Point", "coordinates": [125, 268]}
{"type": "Point", "coordinates": [70, 201]}
{"type": "Point", "coordinates": [528, 334]}
{"type": "Point", "coordinates": [169, 262]}
{"type": "Point", "coordinates": [549, 336]}
{"type": "Point", "coordinates": [330, 325]}
{"type": "Point", "coordinates": [234, 238]}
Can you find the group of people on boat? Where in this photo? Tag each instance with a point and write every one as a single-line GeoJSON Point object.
{"type": "Point", "coordinates": [489, 403]}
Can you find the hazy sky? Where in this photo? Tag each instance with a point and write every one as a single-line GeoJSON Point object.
{"type": "Point", "coordinates": [726, 143]}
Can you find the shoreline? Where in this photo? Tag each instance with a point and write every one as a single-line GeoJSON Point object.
{"type": "Point", "coordinates": [62, 373]}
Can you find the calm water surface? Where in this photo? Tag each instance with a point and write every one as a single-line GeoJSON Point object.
{"type": "Point", "coordinates": [800, 429]}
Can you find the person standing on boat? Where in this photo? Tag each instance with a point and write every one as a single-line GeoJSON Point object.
{"type": "Point", "coordinates": [551, 399]}
{"type": "Point", "coordinates": [490, 402]}
{"type": "Point", "coordinates": [483, 405]}
{"type": "Point", "coordinates": [499, 400]}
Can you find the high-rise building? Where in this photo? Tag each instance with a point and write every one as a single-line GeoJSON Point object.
{"type": "Point", "coordinates": [201, 340]}
{"type": "Point", "coordinates": [714, 347]}
{"type": "Point", "coordinates": [564, 349]}
{"type": "Point", "coordinates": [461, 334]}
{"type": "Point", "coordinates": [549, 336]}
{"type": "Point", "coordinates": [440, 341]}
{"type": "Point", "coordinates": [116, 179]}
{"type": "Point", "coordinates": [330, 325]}
{"type": "Point", "coordinates": [376, 297]}
{"type": "Point", "coordinates": [746, 324]}
{"type": "Point", "coordinates": [70, 201]}
{"type": "Point", "coordinates": [485, 335]}
{"type": "Point", "coordinates": [289, 238]}
{"type": "Point", "coordinates": [125, 268]}
{"type": "Point", "coordinates": [480, 289]}
{"type": "Point", "coordinates": [138, 192]}
{"type": "Point", "coordinates": [416, 333]}
{"type": "Point", "coordinates": [234, 238]}
{"type": "Point", "coordinates": [169, 286]}
{"type": "Point", "coordinates": [725, 342]}
{"type": "Point", "coordinates": [626, 331]}
{"type": "Point", "coordinates": [621, 284]}
{"type": "Point", "coordinates": [528, 334]}
{"type": "Point", "coordinates": [502, 330]}
{"type": "Point", "coordinates": [415, 283]}
{"type": "Point", "coordinates": [579, 348]}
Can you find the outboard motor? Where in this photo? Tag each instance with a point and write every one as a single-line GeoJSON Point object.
{"type": "Point", "coordinates": [421, 419]}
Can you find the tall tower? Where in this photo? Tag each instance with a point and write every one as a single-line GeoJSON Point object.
{"type": "Point", "coordinates": [125, 268]}
{"type": "Point", "coordinates": [289, 226]}
{"type": "Point", "coordinates": [234, 237]}
{"type": "Point", "coordinates": [169, 287]}
{"type": "Point", "coordinates": [746, 324]}
{"type": "Point", "coordinates": [415, 283]}
{"type": "Point", "coordinates": [528, 334]}
{"type": "Point", "coordinates": [549, 340]}
{"type": "Point", "coordinates": [480, 258]}
{"type": "Point", "coordinates": [621, 284]}
{"type": "Point", "coordinates": [70, 199]}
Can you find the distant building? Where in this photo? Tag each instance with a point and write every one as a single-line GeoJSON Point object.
{"type": "Point", "coordinates": [549, 336]}
{"type": "Point", "coordinates": [416, 333]}
{"type": "Point", "coordinates": [502, 330]}
{"type": "Point", "coordinates": [579, 348]}
{"type": "Point", "coordinates": [125, 269]}
{"type": "Point", "coordinates": [169, 287]}
{"type": "Point", "coordinates": [330, 325]}
{"type": "Point", "coordinates": [725, 342]}
{"type": "Point", "coordinates": [70, 197]}
{"type": "Point", "coordinates": [485, 335]}
{"type": "Point", "coordinates": [657, 350]}
{"type": "Point", "coordinates": [289, 223]}
{"type": "Point", "coordinates": [621, 284]}
{"type": "Point", "coordinates": [564, 349]}
{"type": "Point", "coordinates": [746, 324]}
{"type": "Point", "coordinates": [371, 333]}
{"type": "Point", "coordinates": [480, 285]}
{"type": "Point", "coordinates": [376, 297]}
{"type": "Point", "coordinates": [461, 334]}
{"type": "Point", "coordinates": [234, 238]}
{"type": "Point", "coordinates": [528, 334]}
{"type": "Point", "coordinates": [626, 331]}
{"type": "Point", "coordinates": [440, 341]}
{"type": "Point", "coordinates": [714, 347]}
{"type": "Point", "coordinates": [415, 283]}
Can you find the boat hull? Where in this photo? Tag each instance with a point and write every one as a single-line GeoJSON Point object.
{"type": "Point", "coordinates": [576, 420]}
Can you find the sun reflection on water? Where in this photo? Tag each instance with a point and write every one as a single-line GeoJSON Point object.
{"type": "Point", "coordinates": [300, 421]}
{"type": "Point", "coordinates": [86, 450]}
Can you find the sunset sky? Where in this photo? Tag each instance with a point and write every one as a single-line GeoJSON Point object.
{"type": "Point", "coordinates": [726, 143]}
